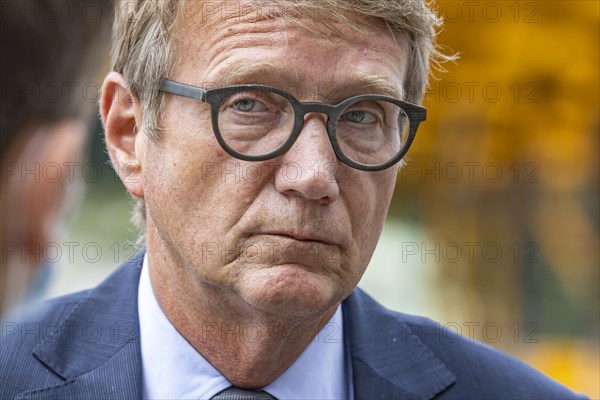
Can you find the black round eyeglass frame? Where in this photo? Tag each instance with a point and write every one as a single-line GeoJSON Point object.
{"type": "Point", "coordinates": [215, 97]}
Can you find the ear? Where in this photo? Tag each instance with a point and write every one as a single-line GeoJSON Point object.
{"type": "Point", "coordinates": [122, 117]}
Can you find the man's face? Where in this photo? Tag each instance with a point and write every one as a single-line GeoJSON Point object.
{"type": "Point", "coordinates": [292, 235]}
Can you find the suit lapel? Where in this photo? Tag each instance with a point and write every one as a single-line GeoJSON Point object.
{"type": "Point", "coordinates": [117, 378]}
{"type": "Point", "coordinates": [95, 349]}
{"type": "Point", "coordinates": [389, 361]}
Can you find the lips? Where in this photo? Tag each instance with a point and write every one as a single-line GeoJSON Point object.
{"type": "Point", "coordinates": [301, 236]}
{"type": "Point", "coordinates": [277, 247]}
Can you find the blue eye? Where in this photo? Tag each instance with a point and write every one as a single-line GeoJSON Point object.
{"type": "Point", "coordinates": [249, 105]}
{"type": "Point", "coordinates": [244, 105]}
{"type": "Point", "coordinates": [358, 117]}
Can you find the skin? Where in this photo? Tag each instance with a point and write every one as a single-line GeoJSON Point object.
{"type": "Point", "coordinates": [276, 249]}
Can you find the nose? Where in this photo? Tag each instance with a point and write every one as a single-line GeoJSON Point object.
{"type": "Point", "coordinates": [308, 169]}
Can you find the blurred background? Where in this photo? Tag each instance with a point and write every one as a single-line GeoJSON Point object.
{"type": "Point", "coordinates": [494, 227]}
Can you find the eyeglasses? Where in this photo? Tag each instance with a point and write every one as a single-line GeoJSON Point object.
{"type": "Point", "coordinates": [256, 123]}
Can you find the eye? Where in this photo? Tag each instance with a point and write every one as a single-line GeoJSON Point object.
{"type": "Point", "coordinates": [249, 105]}
{"type": "Point", "coordinates": [359, 117]}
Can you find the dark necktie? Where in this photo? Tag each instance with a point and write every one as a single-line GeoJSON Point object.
{"type": "Point", "coordinates": [234, 393]}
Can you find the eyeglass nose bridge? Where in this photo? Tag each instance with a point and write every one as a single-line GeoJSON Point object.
{"type": "Point", "coordinates": [300, 112]}
{"type": "Point", "coordinates": [302, 109]}
{"type": "Point", "coordinates": [321, 108]}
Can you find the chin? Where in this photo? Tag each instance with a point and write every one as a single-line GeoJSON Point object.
{"type": "Point", "coordinates": [291, 291]}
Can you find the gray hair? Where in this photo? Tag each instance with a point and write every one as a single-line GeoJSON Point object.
{"type": "Point", "coordinates": [143, 46]}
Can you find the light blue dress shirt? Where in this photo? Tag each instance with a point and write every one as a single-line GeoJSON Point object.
{"type": "Point", "coordinates": [173, 369]}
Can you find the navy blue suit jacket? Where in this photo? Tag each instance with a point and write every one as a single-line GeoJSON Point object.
{"type": "Point", "coordinates": [86, 346]}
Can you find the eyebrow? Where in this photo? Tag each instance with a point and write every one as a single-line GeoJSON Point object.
{"type": "Point", "coordinates": [377, 84]}
{"type": "Point", "coordinates": [236, 74]}
{"type": "Point", "coordinates": [357, 83]}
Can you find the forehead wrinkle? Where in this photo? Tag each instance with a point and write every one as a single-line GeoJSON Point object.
{"type": "Point", "coordinates": [224, 34]}
{"type": "Point", "coordinates": [220, 42]}
{"type": "Point", "coordinates": [197, 33]}
{"type": "Point", "coordinates": [247, 73]}
{"type": "Point", "coordinates": [378, 84]}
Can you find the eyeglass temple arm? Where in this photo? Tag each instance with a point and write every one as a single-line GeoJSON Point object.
{"type": "Point", "coordinates": [181, 89]}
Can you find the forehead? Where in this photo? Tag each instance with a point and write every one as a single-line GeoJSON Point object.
{"type": "Point", "coordinates": [223, 41]}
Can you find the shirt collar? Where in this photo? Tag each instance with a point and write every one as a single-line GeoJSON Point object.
{"type": "Point", "coordinates": [172, 368]}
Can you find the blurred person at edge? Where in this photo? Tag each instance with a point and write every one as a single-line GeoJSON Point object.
{"type": "Point", "coordinates": [50, 49]}
{"type": "Point", "coordinates": [247, 286]}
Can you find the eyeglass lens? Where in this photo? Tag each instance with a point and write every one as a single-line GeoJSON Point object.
{"type": "Point", "coordinates": [256, 122]}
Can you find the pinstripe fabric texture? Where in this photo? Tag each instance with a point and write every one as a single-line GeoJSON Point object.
{"type": "Point", "coordinates": [82, 346]}
{"type": "Point", "coordinates": [86, 346]}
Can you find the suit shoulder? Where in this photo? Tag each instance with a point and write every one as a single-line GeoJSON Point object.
{"type": "Point", "coordinates": [47, 310]}
{"type": "Point", "coordinates": [52, 343]}
{"type": "Point", "coordinates": [482, 369]}
{"type": "Point", "coordinates": [23, 330]}
{"type": "Point", "coordinates": [479, 370]}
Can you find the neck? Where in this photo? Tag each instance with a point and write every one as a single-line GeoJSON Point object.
{"type": "Point", "coordinates": [249, 346]}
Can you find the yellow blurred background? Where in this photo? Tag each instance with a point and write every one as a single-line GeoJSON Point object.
{"type": "Point", "coordinates": [504, 179]}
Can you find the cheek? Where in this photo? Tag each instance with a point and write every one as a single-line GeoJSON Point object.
{"type": "Point", "coordinates": [384, 186]}
{"type": "Point", "coordinates": [368, 204]}
{"type": "Point", "coordinates": [370, 196]}
{"type": "Point", "coordinates": [197, 189]}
